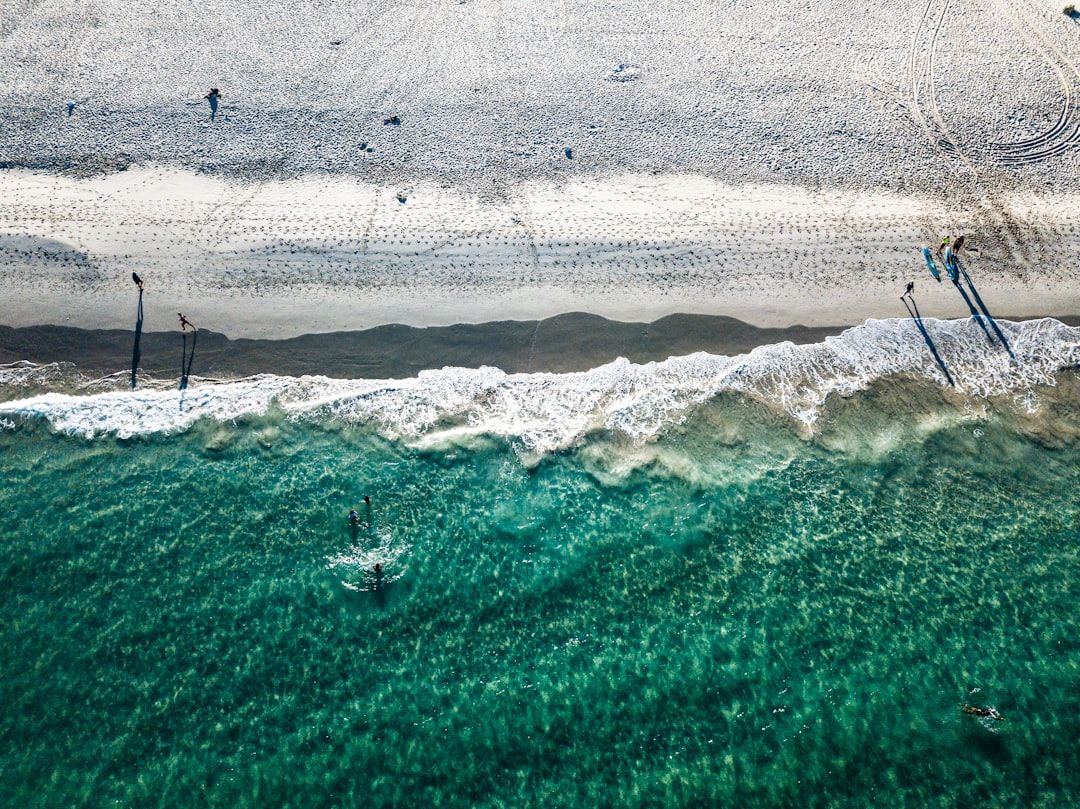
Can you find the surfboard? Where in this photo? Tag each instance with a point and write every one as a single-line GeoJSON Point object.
{"type": "Point", "coordinates": [931, 264]}
{"type": "Point", "coordinates": [950, 265]}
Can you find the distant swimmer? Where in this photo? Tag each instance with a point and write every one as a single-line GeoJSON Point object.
{"type": "Point", "coordinates": [184, 323]}
{"type": "Point", "coordinates": [354, 518]}
{"type": "Point", "coordinates": [367, 500]}
{"type": "Point", "coordinates": [138, 281]}
{"type": "Point", "coordinates": [986, 713]}
{"type": "Point", "coordinates": [378, 572]}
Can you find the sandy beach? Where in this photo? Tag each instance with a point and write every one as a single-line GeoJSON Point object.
{"type": "Point", "coordinates": [479, 162]}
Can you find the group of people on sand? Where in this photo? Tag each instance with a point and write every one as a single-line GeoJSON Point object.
{"type": "Point", "coordinates": [956, 245]}
{"type": "Point", "coordinates": [909, 292]}
{"type": "Point", "coordinates": [184, 322]}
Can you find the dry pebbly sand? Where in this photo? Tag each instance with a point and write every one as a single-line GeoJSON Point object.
{"type": "Point", "coordinates": [466, 161]}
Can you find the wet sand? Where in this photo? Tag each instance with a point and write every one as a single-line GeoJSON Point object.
{"type": "Point", "coordinates": [571, 342]}
{"type": "Point", "coordinates": [566, 343]}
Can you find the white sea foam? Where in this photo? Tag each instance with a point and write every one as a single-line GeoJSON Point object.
{"type": "Point", "coordinates": [544, 412]}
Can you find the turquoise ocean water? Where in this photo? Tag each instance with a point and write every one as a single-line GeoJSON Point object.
{"type": "Point", "coordinates": [767, 580]}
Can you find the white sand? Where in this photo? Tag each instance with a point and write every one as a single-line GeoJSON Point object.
{"type": "Point", "coordinates": [780, 163]}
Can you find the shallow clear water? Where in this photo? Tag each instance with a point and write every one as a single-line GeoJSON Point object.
{"type": "Point", "coordinates": [729, 613]}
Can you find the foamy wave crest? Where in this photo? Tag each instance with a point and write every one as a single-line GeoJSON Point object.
{"type": "Point", "coordinates": [549, 411]}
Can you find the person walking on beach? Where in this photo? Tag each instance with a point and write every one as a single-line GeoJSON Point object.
{"type": "Point", "coordinates": [909, 291]}
{"type": "Point", "coordinates": [184, 322]}
{"type": "Point", "coordinates": [213, 97]}
{"type": "Point", "coordinates": [138, 281]}
{"type": "Point", "coordinates": [942, 246]}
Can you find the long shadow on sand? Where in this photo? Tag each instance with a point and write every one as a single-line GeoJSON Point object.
{"type": "Point", "coordinates": [926, 336]}
{"type": "Point", "coordinates": [982, 306]}
{"type": "Point", "coordinates": [136, 352]}
{"type": "Point", "coordinates": [971, 307]}
{"type": "Point", "coordinates": [186, 359]}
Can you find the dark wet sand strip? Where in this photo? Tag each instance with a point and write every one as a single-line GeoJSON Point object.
{"type": "Point", "coordinates": [570, 342]}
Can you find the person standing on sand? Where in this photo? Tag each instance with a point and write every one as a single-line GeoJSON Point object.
{"type": "Point", "coordinates": [213, 97]}
{"type": "Point", "coordinates": [138, 281]}
{"type": "Point", "coordinates": [909, 291]}
{"type": "Point", "coordinates": [184, 323]}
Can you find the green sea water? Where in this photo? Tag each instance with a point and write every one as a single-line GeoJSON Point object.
{"type": "Point", "coordinates": [731, 614]}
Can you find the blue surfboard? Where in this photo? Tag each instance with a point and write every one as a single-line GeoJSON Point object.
{"type": "Point", "coordinates": [931, 264]}
{"type": "Point", "coordinates": [950, 265]}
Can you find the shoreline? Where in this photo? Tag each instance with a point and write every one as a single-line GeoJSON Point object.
{"type": "Point", "coordinates": [563, 344]}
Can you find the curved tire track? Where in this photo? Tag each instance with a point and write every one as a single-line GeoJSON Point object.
{"type": "Point", "coordinates": [1065, 132]}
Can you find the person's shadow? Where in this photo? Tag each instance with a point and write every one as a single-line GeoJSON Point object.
{"type": "Point", "coordinates": [186, 359]}
{"type": "Point", "coordinates": [136, 353]}
{"type": "Point", "coordinates": [913, 310]}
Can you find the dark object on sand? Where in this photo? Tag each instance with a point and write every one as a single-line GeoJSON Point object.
{"type": "Point", "coordinates": [213, 97]}
{"type": "Point", "coordinates": [569, 153]}
{"type": "Point", "coordinates": [393, 119]}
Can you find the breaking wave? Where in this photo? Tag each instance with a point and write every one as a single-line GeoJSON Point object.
{"type": "Point", "coordinates": [545, 412]}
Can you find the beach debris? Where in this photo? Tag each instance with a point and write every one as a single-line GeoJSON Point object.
{"type": "Point", "coordinates": [625, 72]}
{"type": "Point", "coordinates": [335, 42]}
{"type": "Point", "coordinates": [393, 120]}
{"type": "Point", "coordinates": [401, 197]}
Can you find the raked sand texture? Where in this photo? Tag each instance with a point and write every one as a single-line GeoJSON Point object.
{"type": "Point", "coordinates": [442, 162]}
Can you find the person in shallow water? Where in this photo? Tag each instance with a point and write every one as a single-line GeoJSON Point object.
{"type": "Point", "coordinates": [354, 518]}
{"type": "Point", "coordinates": [986, 713]}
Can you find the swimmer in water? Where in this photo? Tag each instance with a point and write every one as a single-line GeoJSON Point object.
{"type": "Point", "coordinates": [354, 518]}
{"type": "Point", "coordinates": [985, 713]}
